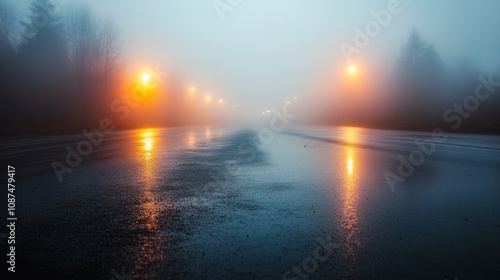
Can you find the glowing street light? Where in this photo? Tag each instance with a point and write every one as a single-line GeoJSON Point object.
{"type": "Point", "coordinates": [352, 69]}
{"type": "Point", "coordinates": [192, 89]}
{"type": "Point", "coordinates": [221, 101]}
{"type": "Point", "coordinates": [146, 78]}
{"type": "Point", "coordinates": [208, 98]}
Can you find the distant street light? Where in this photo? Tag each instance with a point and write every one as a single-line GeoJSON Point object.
{"type": "Point", "coordinates": [146, 78]}
{"type": "Point", "coordinates": [352, 69]}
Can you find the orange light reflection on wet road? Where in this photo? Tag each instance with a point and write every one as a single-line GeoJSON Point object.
{"type": "Point", "coordinates": [149, 209]}
{"type": "Point", "coordinates": [350, 195]}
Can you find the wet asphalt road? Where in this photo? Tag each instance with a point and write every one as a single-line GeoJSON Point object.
{"type": "Point", "coordinates": [218, 203]}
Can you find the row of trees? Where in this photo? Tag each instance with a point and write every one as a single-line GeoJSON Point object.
{"type": "Point", "coordinates": [418, 94]}
{"type": "Point", "coordinates": [429, 93]}
{"type": "Point", "coordinates": [62, 71]}
{"type": "Point", "coordinates": [55, 69]}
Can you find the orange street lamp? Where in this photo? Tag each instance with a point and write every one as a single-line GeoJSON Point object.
{"type": "Point", "coordinates": [145, 78]}
{"type": "Point", "coordinates": [352, 69]}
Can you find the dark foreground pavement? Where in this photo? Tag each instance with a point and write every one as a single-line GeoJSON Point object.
{"type": "Point", "coordinates": [217, 203]}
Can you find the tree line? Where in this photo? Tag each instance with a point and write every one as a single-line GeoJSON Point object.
{"type": "Point", "coordinates": [55, 68]}
{"type": "Point", "coordinates": [60, 71]}
{"type": "Point", "coordinates": [421, 92]}
{"type": "Point", "coordinates": [429, 93]}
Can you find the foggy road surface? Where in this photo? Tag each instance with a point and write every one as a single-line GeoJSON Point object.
{"type": "Point", "coordinates": [217, 203]}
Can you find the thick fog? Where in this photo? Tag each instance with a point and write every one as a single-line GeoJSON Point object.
{"type": "Point", "coordinates": [410, 60]}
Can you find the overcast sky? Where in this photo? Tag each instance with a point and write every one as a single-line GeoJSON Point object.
{"type": "Point", "coordinates": [266, 51]}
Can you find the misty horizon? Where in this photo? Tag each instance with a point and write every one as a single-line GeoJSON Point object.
{"type": "Point", "coordinates": [258, 55]}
